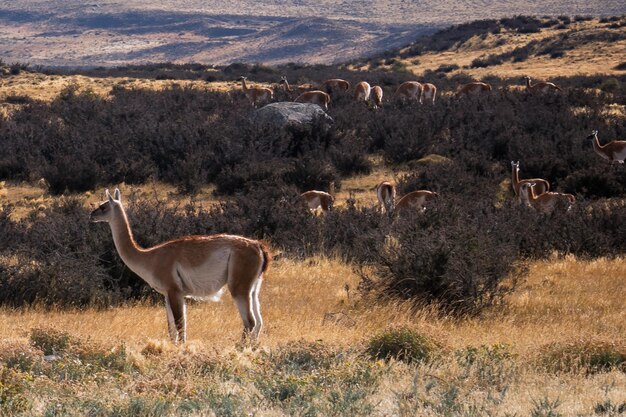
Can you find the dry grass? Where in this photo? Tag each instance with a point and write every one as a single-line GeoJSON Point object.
{"type": "Point", "coordinates": [47, 87]}
{"type": "Point", "coordinates": [561, 301]}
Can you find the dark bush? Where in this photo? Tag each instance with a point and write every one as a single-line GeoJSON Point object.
{"type": "Point", "coordinates": [610, 85]}
{"type": "Point", "coordinates": [487, 61]}
{"type": "Point", "coordinates": [448, 256]}
{"type": "Point", "coordinates": [447, 68]}
{"type": "Point", "coordinates": [401, 344]}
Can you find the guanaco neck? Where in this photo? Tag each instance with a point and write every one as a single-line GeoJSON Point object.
{"type": "Point", "coordinates": [528, 84]}
{"type": "Point", "coordinates": [531, 194]}
{"type": "Point", "coordinates": [287, 86]}
{"type": "Point", "coordinates": [243, 84]}
{"type": "Point", "coordinates": [515, 170]}
{"type": "Point", "coordinates": [130, 252]}
{"type": "Point", "coordinates": [597, 147]}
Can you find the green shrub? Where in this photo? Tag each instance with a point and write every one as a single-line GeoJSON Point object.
{"type": "Point", "coordinates": [610, 85]}
{"type": "Point", "coordinates": [50, 341]}
{"type": "Point", "coordinates": [402, 344]}
{"type": "Point", "coordinates": [591, 357]}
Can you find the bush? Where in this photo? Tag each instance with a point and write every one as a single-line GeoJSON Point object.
{"type": "Point", "coordinates": [449, 257]}
{"type": "Point", "coordinates": [447, 68]}
{"type": "Point", "coordinates": [589, 356]}
{"type": "Point", "coordinates": [484, 62]}
{"type": "Point", "coordinates": [402, 344]}
{"type": "Point", "coordinates": [610, 85]}
{"type": "Point", "coordinates": [50, 341]}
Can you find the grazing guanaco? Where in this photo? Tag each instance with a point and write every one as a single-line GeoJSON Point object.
{"type": "Point", "coordinates": [614, 151]}
{"type": "Point", "coordinates": [541, 185]}
{"type": "Point", "coordinates": [414, 201]}
{"type": "Point", "coordinates": [318, 199]}
{"type": "Point", "coordinates": [542, 87]}
{"type": "Point", "coordinates": [256, 94]}
{"type": "Point", "coordinates": [386, 194]}
{"type": "Point", "coordinates": [473, 88]}
{"type": "Point", "coordinates": [429, 91]}
{"type": "Point", "coordinates": [302, 88]}
{"type": "Point", "coordinates": [362, 91]}
{"type": "Point", "coordinates": [377, 95]}
{"type": "Point", "coordinates": [409, 90]}
{"type": "Point", "coordinates": [336, 84]}
{"type": "Point", "coordinates": [316, 97]}
{"type": "Point", "coordinates": [543, 203]}
{"type": "Point", "coordinates": [192, 266]}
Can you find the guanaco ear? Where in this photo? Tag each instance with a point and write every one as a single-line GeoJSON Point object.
{"type": "Point", "coordinates": [117, 194]}
{"type": "Point", "coordinates": [108, 195]}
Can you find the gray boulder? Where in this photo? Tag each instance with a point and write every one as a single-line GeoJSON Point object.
{"type": "Point", "coordinates": [286, 113]}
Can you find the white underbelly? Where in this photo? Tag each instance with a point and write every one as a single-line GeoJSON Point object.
{"type": "Point", "coordinates": [206, 279]}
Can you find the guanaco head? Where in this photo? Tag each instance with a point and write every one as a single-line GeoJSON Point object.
{"type": "Point", "coordinates": [283, 80]}
{"type": "Point", "coordinates": [515, 165]}
{"type": "Point", "coordinates": [105, 212]}
{"type": "Point", "coordinates": [594, 134]}
{"type": "Point", "coordinates": [242, 78]}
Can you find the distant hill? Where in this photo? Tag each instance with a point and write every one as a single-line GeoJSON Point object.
{"type": "Point", "coordinates": [108, 32]}
{"type": "Point", "coordinates": [514, 47]}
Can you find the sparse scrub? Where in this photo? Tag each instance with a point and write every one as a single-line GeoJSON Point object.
{"type": "Point", "coordinates": [493, 367]}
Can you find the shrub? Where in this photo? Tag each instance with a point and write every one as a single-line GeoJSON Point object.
{"type": "Point", "coordinates": [589, 356]}
{"type": "Point", "coordinates": [17, 68]}
{"type": "Point", "coordinates": [447, 68]}
{"type": "Point", "coordinates": [447, 256]}
{"type": "Point", "coordinates": [610, 85]}
{"type": "Point", "coordinates": [50, 341]}
{"type": "Point", "coordinates": [484, 62]}
{"type": "Point", "coordinates": [303, 357]}
{"type": "Point", "coordinates": [401, 343]}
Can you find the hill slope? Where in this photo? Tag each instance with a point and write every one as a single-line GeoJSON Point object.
{"type": "Point", "coordinates": [515, 47]}
{"type": "Point", "coordinates": [73, 33]}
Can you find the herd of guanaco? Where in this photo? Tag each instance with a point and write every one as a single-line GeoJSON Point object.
{"type": "Point", "coordinates": [201, 267]}
{"type": "Point", "coordinates": [532, 192]}
{"type": "Point", "coordinates": [364, 92]}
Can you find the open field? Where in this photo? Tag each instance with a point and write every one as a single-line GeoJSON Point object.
{"type": "Point", "coordinates": [72, 33]}
{"type": "Point", "coordinates": [563, 302]}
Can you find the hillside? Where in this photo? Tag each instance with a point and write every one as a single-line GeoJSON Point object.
{"type": "Point", "coordinates": [513, 48]}
{"type": "Point", "coordinates": [73, 33]}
